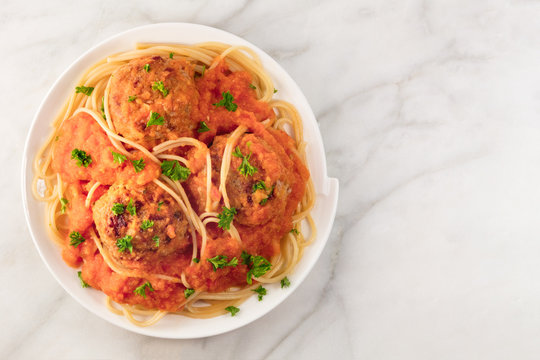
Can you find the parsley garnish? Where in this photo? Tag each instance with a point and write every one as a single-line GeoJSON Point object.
{"type": "Point", "coordinates": [159, 205]}
{"type": "Point", "coordinates": [138, 165]}
{"type": "Point", "coordinates": [84, 90]}
{"type": "Point", "coordinates": [220, 261]}
{"type": "Point", "coordinates": [232, 309]}
{"type": "Point", "coordinates": [131, 208]}
{"type": "Point", "coordinates": [275, 91]}
{"type": "Point", "coordinates": [258, 265]}
{"type": "Point", "coordinates": [252, 86]}
{"type": "Point", "coordinates": [245, 167]}
{"type": "Point", "coordinates": [261, 291]}
{"type": "Point", "coordinates": [146, 67]}
{"type": "Point", "coordinates": [64, 202]}
{"type": "Point", "coordinates": [132, 98]}
{"type": "Point", "coordinates": [146, 224]}
{"type": "Point", "coordinates": [83, 159]}
{"type": "Point", "coordinates": [227, 101]}
{"type": "Point", "coordinates": [285, 283]}
{"type": "Point", "coordinates": [76, 238]}
{"type": "Point", "coordinates": [124, 244]}
{"type": "Point", "coordinates": [294, 231]}
{"type": "Point", "coordinates": [265, 200]}
{"type": "Point", "coordinates": [155, 119]}
{"type": "Point", "coordinates": [171, 55]}
{"type": "Point", "coordinates": [203, 70]}
{"type": "Point", "coordinates": [188, 292]}
{"type": "Point", "coordinates": [118, 158]}
{"type": "Point", "coordinates": [56, 138]}
{"type": "Point", "coordinates": [196, 260]}
{"type": "Point", "coordinates": [203, 127]}
{"type": "Point", "coordinates": [103, 108]}
{"type": "Point", "coordinates": [226, 218]}
{"type": "Point", "coordinates": [259, 185]}
{"type": "Point", "coordinates": [175, 171]}
{"type": "Point", "coordinates": [159, 86]}
{"type": "Point", "coordinates": [141, 290]}
{"type": "Point", "coordinates": [84, 284]}
{"type": "Point", "coordinates": [118, 209]}
{"type": "Point", "coordinates": [156, 240]}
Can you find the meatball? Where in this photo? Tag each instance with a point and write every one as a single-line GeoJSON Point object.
{"type": "Point", "coordinates": [156, 88]}
{"type": "Point", "coordinates": [145, 216]}
{"type": "Point", "coordinates": [261, 196]}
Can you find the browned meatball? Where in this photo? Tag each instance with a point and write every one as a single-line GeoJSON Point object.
{"type": "Point", "coordinates": [258, 197]}
{"type": "Point", "coordinates": [166, 89]}
{"type": "Point", "coordinates": [157, 228]}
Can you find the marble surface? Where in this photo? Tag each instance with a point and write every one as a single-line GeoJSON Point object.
{"type": "Point", "coordinates": [429, 111]}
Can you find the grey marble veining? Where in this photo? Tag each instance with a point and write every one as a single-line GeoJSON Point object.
{"type": "Point", "coordinates": [429, 112]}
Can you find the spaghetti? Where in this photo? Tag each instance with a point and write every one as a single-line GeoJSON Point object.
{"type": "Point", "coordinates": [73, 198]}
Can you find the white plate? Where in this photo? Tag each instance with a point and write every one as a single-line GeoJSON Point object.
{"type": "Point", "coordinates": [176, 327]}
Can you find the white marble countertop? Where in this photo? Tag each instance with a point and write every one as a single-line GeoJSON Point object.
{"type": "Point", "coordinates": [429, 111]}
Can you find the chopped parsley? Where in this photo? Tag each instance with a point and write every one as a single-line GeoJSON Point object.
{"type": "Point", "coordinates": [294, 231]}
{"type": "Point", "coordinates": [76, 238]}
{"type": "Point", "coordinates": [146, 67]}
{"type": "Point", "coordinates": [159, 86]}
{"type": "Point", "coordinates": [220, 261]}
{"type": "Point", "coordinates": [159, 205]}
{"type": "Point", "coordinates": [245, 167]}
{"type": "Point", "coordinates": [138, 165]}
{"type": "Point", "coordinates": [56, 138]}
{"type": "Point", "coordinates": [226, 218]}
{"type": "Point", "coordinates": [118, 158]}
{"type": "Point", "coordinates": [196, 260]}
{"type": "Point", "coordinates": [124, 244]}
{"type": "Point", "coordinates": [84, 90]}
{"type": "Point", "coordinates": [118, 209]}
{"type": "Point", "coordinates": [188, 292]}
{"type": "Point", "coordinates": [259, 185]}
{"type": "Point", "coordinates": [203, 127]}
{"type": "Point", "coordinates": [84, 284]}
{"type": "Point", "coordinates": [227, 101]}
{"type": "Point", "coordinates": [131, 208]}
{"type": "Point", "coordinates": [203, 70]}
{"type": "Point", "coordinates": [171, 55]}
{"type": "Point", "coordinates": [156, 240]}
{"type": "Point", "coordinates": [232, 309]}
{"type": "Point", "coordinates": [103, 108]}
{"type": "Point", "coordinates": [83, 159]}
{"type": "Point", "coordinates": [265, 200]}
{"type": "Point", "coordinates": [261, 291]}
{"type": "Point", "coordinates": [155, 119]}
{"type": "Point", "coordinates": [141, 290]}
{"type": "Point", "coordinates": [132, 98]}
{"type": "Point", "coordinates": [257, 265]}
{"type": "Point", "coordinates": [252, 86]}
{"type": "Point", "coordinates": [275, 91]}
{"type": "Point", "coordinates": [63, 202]}
{"type": "Point", "coordinates": [285, 283]}
{"type": "Point", "coordinates": [147, 224]}
{"type": "Point", "coordinates": [173, 170]}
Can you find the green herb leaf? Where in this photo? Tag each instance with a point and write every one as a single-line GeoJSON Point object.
{"type": "Point", "coordinates": [275, 91]}
{"type": "Point", "coordinates": [171, 55]}
{"type": "Point", "coordinates": [146, 224]}
{"type": "Point", "coordinates": [258, 266]}
{"type": "Point", "coordinates": [226, 218]}
{"type": "Point", "coordinates": [84, 90]}
{"type": "Point", "coordinates": [159, 205]}
{"type": "Point", "coordinates": [63, 202]}
{"type": "Point", "coordinates": [146, 67]}
{"type": "Point", "coordinates": [138, 165]}
{"type": "Point", "coordinates": [141, 290]}
{"type": "Point", "coordinates": [220, 261]}
{"type": "Point", "coordinates": [252, 86]}
{"type": "Point", "coordinates": [132, 98]}
{"type": "Point", "coordinates": [159, 86]}
{"type": "Point", "coordinates": [83, 159]}
{"type": "Point", "coordinates": [261, 291]}
{"type": "Point", "coordinates": [118, 158]}
{"type": "Point", "coordinates": [118, 209]}
{"type": "Point", "coordinates": [156, 240]}
{"type": "Point", "coordinates": [175, 171]}
{"type": "Point", "coordinates": [203, 70]}
{"type": "Point", "coordinates": [285, 283]}
{"type": "Point", "coordinates": [155, 119]}
{"type": "Point", "coordinates": [203, 127]}
{"type": "Point", "coordinates": [124, 244]}
{"type": "Point", "coordinates": [76, 238]}
{"type": "Point", "coordinates": [103, 108]}
{"type": "Point", "coordinates": [259, 185]}
{"type": "Point", "coordinates": [196, 260]}
{"type": "Point", "coordinates": [188, 292]}
{"type": "Point", "coordinates": [232, 309]}
{"type": "Point", "coordinates": [227, 101]}
{"type": "Point", "coordinates": [294, 231]}
{"type": "Point", "coordinates": [84, 284]}
{"type": "Point", "coordinates": [245, 167]}
{"type": "Point", "coordinates": [131, 208]}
